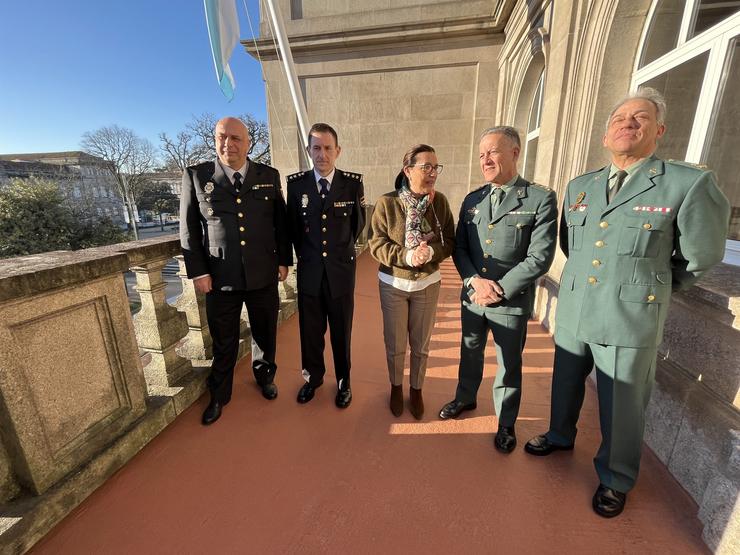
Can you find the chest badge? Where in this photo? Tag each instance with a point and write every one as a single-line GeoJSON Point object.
{"type": "Point", "coordinates": [208, 188]}
{"type": "Point", "coordinates": [210, 211]}
{"type": "Point", "coordinates": [580, 197]}
{"type": "Point", "coordinates": [304, 201]}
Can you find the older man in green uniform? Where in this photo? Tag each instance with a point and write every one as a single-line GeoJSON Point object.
{"type": "Point", "coordinates": [633, 232]}
{"type": "Point", "coordinates": [505, 240]}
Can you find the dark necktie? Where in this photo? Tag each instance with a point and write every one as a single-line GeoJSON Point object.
{"type": "Point", "coordinates": [618, 180]}
{"type": "Point", "coordinates": [324, 189]}
{"type": "Point", "coordinates": [237, 181]}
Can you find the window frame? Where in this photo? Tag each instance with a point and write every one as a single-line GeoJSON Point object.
{"type": "Point", "coordinates": [719, 40]}
{"type": "Point", "coordinates": [539, 93]}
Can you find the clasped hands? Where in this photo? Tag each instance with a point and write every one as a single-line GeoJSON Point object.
{"type": "Point", "coordinates": [421, 254]}
{"type": "Point", "coordinates": [485, 291]}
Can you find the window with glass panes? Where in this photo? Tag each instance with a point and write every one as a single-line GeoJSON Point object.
{"type": "Point", "coordinates": [690, 51]}
{"type": "Point", "coordinates": [533, 131]}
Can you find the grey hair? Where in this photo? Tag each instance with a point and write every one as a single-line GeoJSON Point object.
{"type": "Point", "coordinates": [643, 93]}
{"type": "Point", "coordinates": [506, 130]}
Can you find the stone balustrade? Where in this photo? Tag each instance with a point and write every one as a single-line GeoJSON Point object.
{"type": "Point", "coordinates": [76, 402]}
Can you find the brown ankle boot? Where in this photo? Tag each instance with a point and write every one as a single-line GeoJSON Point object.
{"type": "Point", "coordinates": [397, 400]}
{"type": "Point", "coordinates": [417, 403]}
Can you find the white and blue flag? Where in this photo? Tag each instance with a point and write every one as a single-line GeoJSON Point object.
{"type": "Point", "coordinates": [223, 30]}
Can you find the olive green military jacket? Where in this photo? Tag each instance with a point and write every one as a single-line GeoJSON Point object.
{"type": "Point", "coordinates": [514, 245]}
{"type": "Point", "coordinates": [665, 227]}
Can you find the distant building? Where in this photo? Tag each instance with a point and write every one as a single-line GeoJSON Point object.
{"type": "Point", "coordinates": [85, 181]}
{"type": "Point", "coordinates": [172, 179]}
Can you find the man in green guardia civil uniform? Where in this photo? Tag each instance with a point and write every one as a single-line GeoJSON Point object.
{"type": "Point", "coordinates": [505, 240]}
{"type": "Point", "coordinates": [633, 232]}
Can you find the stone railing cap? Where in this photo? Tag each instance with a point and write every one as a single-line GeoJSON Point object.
{"type": "Point", "coordinates": [30, 275]}
{"type": "Point", "coordinates": [719, 287]}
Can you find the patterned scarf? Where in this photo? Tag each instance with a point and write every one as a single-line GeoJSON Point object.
{"type": "Point", "coordinates": [417, 227]}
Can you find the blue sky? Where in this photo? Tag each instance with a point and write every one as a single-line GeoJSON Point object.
{"type": "Point", "coordinates": [77, 65]}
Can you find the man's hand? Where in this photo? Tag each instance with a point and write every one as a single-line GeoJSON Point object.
{"type": "Point", "coordinates": [485, 291]}
{"type": "Point", "coordinates": [282, 273]}
{"type": "Point", "coordinates": [203, 284]}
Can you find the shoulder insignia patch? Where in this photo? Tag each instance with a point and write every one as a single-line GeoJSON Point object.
{"type": "Point", "coordinates": [351, 175]}
{"type": "Point", "coordinates": [591, 173]}
{"type": "Point", "coordinates": [543, 187]}
{"type": "Point", "coordinates": [479, 188]}
{"type": "Point", "coordinates": [294, 176]}
{"type": "Point", "coordinates": [688, 164]}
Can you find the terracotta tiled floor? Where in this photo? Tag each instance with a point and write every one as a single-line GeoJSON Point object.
{"type": "Point", "coordinates": [278, 477]}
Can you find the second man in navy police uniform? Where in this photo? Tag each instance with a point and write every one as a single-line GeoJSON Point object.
{"type": "Point", "coordinates": [325, 217]}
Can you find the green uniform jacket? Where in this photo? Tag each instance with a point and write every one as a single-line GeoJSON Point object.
{"type": "Point", "coordinates": [663, 230]}
{"type": "Point", "coordinates": [514, 246]}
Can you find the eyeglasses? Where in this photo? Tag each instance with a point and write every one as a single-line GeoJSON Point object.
{"type": "Point", "coordinates": [427, 168]}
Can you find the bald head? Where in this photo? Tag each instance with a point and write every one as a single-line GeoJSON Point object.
{"type": "Point", "coordinates": [232, 142]}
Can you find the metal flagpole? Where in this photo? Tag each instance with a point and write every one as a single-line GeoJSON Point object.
{"type": "Point", "coordinates": [289, 67]}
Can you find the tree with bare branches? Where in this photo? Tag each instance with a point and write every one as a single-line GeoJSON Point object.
{"type": "Point", "coordinates": [127, 156]}
{"type": "Point", "coordinates": [182, 151]}
{"type": "Point", "coordinates": [197, 143]}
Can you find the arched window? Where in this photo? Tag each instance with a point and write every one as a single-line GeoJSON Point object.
{"type": "Point", "coordinates": [533, 131]}
{"type": "Point", "coordinates": [690, 52]}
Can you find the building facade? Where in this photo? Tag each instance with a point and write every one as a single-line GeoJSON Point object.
{"type": "Point", "coordinates": [88, 186]}
{"type": "Point", "coordinates": [392, 73]}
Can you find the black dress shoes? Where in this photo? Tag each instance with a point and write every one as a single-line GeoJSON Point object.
{"type": "Point", "coordinates": [343, 398]}
{"type": "Point", "coordinates": [307, 391]}
{"type": "Point", "coordinates": [608, 502]}
{"type": "Point", "coordinates": [454, 408]}
{"type": "Point", "coordinates": [505, 440]}
{"type": "Point", "coordinates": [541, 446]}
{"type": "Point", "coordinates": [212, 412]}
{"type": "Point", "coordinates": [269, 391]}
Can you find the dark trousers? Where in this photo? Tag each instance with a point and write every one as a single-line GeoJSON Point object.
{"type": "Point", "coordinates": [223, 310]}
{"type": "Point", "coordinates": [509, 335]}
{"type": "Point", "coordinates": [313, 314]}
{"type": "Point", "coordinates": [624, 381]}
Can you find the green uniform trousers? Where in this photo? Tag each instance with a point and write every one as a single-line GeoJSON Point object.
{"type": "Point", "coordinates": [624, 380]}
{"type": "Point", "coordinates": [509, 335]}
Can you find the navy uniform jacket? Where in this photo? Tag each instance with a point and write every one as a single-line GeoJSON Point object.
{"type": "Point", "coordinates": [513, 246]}
{"type": "Point", "coordinates": [664, 228]}
{"type": "Point", "coordinates": [324, 234]}
{"type": "Point", "coordinates": [239, 239]}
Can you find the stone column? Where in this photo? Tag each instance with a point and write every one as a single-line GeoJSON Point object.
{"type": "Point", "coordinates": [198, 345]}
{"type": "Point", "coordinates": [159, 327]}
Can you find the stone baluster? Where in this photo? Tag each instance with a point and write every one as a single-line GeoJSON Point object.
{"type": "Point", "coordinates": [198, 345]}
{"type": "Point", "coordinates": [288, 296]}
{"type": "Point", "coordinates": [159, 328]}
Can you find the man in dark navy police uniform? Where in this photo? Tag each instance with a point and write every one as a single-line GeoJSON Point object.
{"type": "Point", "coordinates": [325, 216]}
{"type": "Point", "coordinates": [235, 242]}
